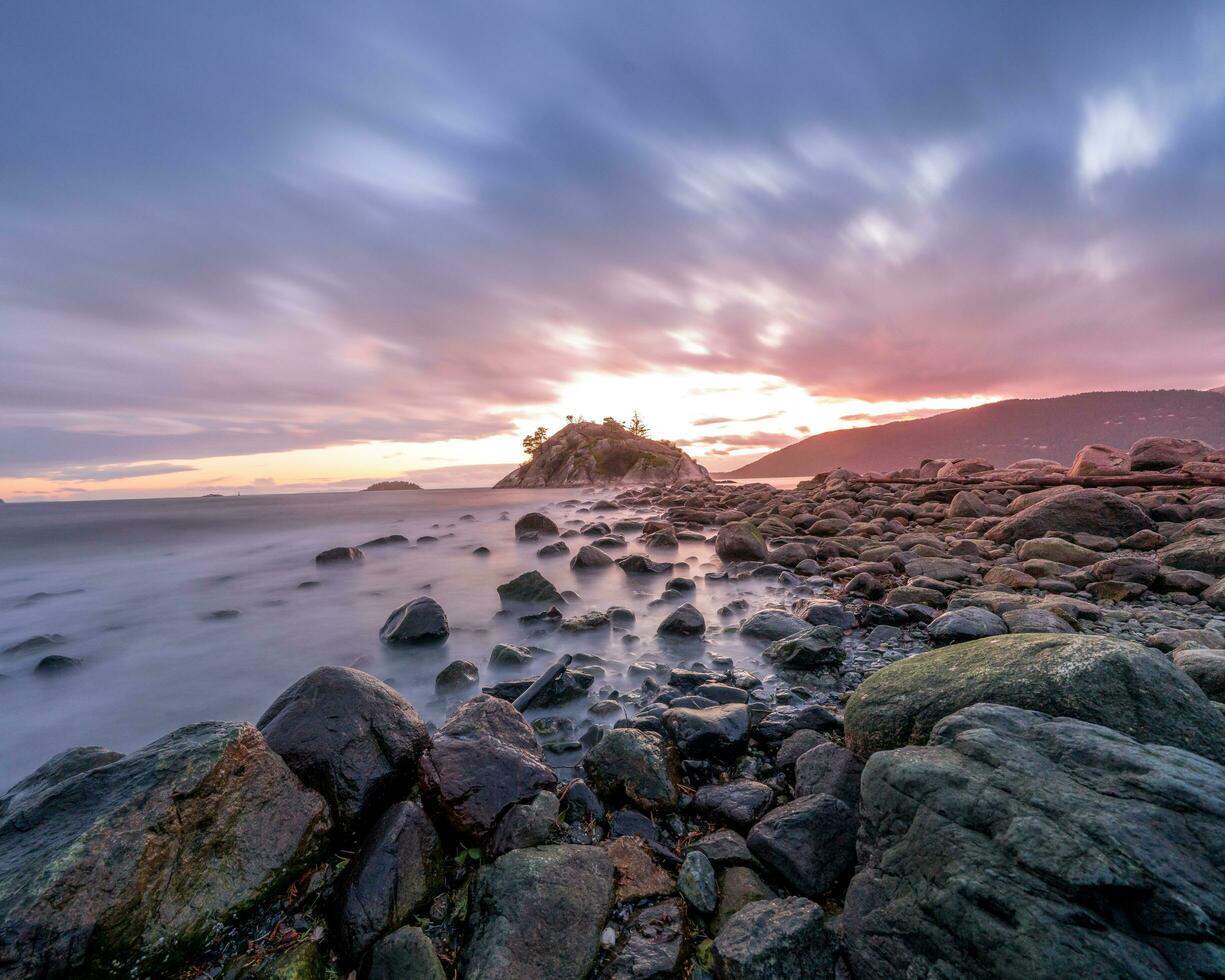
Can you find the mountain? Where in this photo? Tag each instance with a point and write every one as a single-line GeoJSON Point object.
{"type": "Point", "coordinates": [1002, 432]}
{"type": "Point", "coordinates": [592, 453]}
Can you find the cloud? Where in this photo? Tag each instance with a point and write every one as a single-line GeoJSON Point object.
{"type": "Point", "coordinates": [390, 223]}
{"type": "Point", "coordinates": [105, 474]}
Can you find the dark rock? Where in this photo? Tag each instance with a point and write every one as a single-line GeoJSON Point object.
{"type": "Point", "coordinates": [968, 623]}
{"type": "Point", "coordinates": [772, 624]}
{"type": "Point", "coordinates": [554, 550]}
{"type": "Point", "coordinates": [708, 732]}
{"type": "Point", "coordinates": [36, 643]}
{"type": "Point", "coordinates": [825, 612]}
{"type": "Point", "coordinates": [509, 655]}
{"type": "Point", "coordinates": [1196, 554]}
{"type": "Point", "coordinates": [697, 884]}
{"type": "Point", "coordinates": [726, 849]}
{"type": "Point", "coordinates": [740, 541]}
{"type": "Point", "coordinates": [740, 803]}
{"type": "Point", "coordinates": [420, 621]}
{"type": "Point", "coordinates": [538, 912]}
{"type": "Point", "coordinates": [480, 762]}
{"type": "Point", "coordinates": [458, 675]}
{"type": "Point", "coordinates": [830, 769]}
{"type": "Point", "coordinates": [65, 765]}
{"type": "Point", "coordinates": [525, 824]}
{"type": "Point", "coordinates": [635, 872]}
{"type": "Point", "coordinates": [1056, 847]}
{"type": "Point", "coordinates": [809, 843]}
{"type": "Point", "coordinates": [1074, 511]}
{"type": "Point", "coordinates": [1094, 678]}
{"type": "Point", "coordinates": [534, 522]}
{"type": "Point", "coordinates": [590, 559]}
{"type": "Point", "coordinates": [385, 541]}
{"type": "Point", "coordinates": [569, 685]}
{"type": "Point", "coordinates": [56, 663]}
{"type": "Point", "coordinates": [350, 737]}
{"type": "Point", "coordinates": [1206, 668]}
{"type": "Point", "coordinates": [394, 876]}
{"type": "Point", "coordinates": [406, 954]}
{"type": "Point", "coordinates": [684, 620]}
{"type": "Point", "coordinates": [582, 805]}
{"type": "Point", "coordinates": [642, 565]}
{"type": "Point", "coordinates": [652, 944]}
{"type": "Point", "coordinates": [796, 745]}
{"type": "Point", "coordinates": [738, 886]}
{"type": "Point", "coordinates": [787, 720]}
{"type": "Point", "coordinates": [818, 647]}
{"type": "Point", "coordinates": [333, 555]}
{"type": "Point", "coordinates": [636, 765]}
{"type": "Point", "coordinates": [529, 589]}
{"type": "Point", "coordinates": [1031, 620]}
{"type": "Point", "coordinates": [137, 862]}
{"type": "Point", "coordinates": [769, 940]}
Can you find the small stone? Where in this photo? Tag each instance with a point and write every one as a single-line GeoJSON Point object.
{"type": "Point", "coordinates": [696, 883]}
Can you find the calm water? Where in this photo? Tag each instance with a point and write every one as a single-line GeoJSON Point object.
{"type": "Point", "coordinates": [132, 586]}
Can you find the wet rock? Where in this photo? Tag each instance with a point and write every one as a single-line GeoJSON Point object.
{"type": "Point", "coordinates": [56, 663]}
{"type": "Point", "coordinates": [529, 589]}
{"type": "Point", "coordinates": [554, 550]}
{"type": "Point", "coordinates": [809, 843]}
{"type": "Point", "coordinates": [1094, 678]}
{"type": "Point", "coordinates": [137, 861]}
{"type": "Point", "coordinates": [825, 612]}
{"type": "Point", "coordinates": [508, 655]}
{"type": "Point", "coordinates": [635, 872]}
{"type": "Point", "coordinates": [652, 944]}
{"type": "Point", "coordinates": [829, 769]}
{"type": "Point", "coordinates": [684, 620]}
{"type": "Point", "coordinates": [1206, 668]}
{"type": "Point", "coordinates": [697, 884]}
{"type": "Point", "coordinates": [65, 765]}
{"type": "Point", "coordinates": [704, 733]}
{"type": "Point", "coordinates": [1057, 847]}
{"type": "Point", "coordinates": [394, 876]}
{"type": "Point", "coordinates": [590, 559]}
{"type": "Point", "coordinates": [960, 625]}
{"type": "Point", "coordinates": [818, 647]}
{"type": "Point", "coordinates": [37, 643]}
{"type": "Point", "coordinates": [387, 540]}
{"type": "Point", "coordinates": [568, 686]}
{"type": "Point", "coordinates": [350, 737]}
{"type": "Point", "coordinates": [642, 565]}
{"type": "Point", "coordinates": [740, 803]}
{"type": "Point", "coordinates": [781, 937]}
{"type": "Point", "coordinates": [406, 953]}
{"type": "Point", "coordinates": [534, 523]}
{"type": "Point", "coordinates": [795, 745]}
{"type": "Point", "coordinates": [740, 541]}
{"type": "Point", "coordinates": [632, 764]}
{"type": "Point", "coordinates": [420, 621]}
{"type": "Point", "coordinates": [772, 624]}
{"type": "Point", "coordinates": [738, 886]}
{"type": "Point", "coordinates": [538, 912]}
{"type": "Point", "coordinates": [456, 676]}
{"type": "Point", "coordinates": [595, 619]}
{"type": "Point", "coordinates": [336, 555]}
{"type": "Point", "coordinates": [480, 762]}
{"type": "Point", "coordinates": [525, 824]}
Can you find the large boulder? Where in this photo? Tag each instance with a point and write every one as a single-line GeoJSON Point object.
{"type": "Point", "coordinates": [394, 876]}
{"type": "Point", "coordinates": [1206, 668]}
{"type": "Point", "coordinates": [350, 737]}
{"type": "Point", "coordinates": [740, 541]}
{"type": "Point", "coordinates": [809, 843]}
{"type": "Point", "coordinates": [708, 732]}
{"type": "Point", "coordinates": [772, 624]}
{"type": "Point", "coordinates": [136, 862]}
{"type": "Point", "coordinates": [1166, 452]}
{"type": "Point", "coordinates": [1094, 678]}
{"type": "Point", "coordinates": [591, 453]}
{"type": "Point", "coordinates": [966, 623]}
{"type": "Point", "coordinates": [65, 765]}
{"type": "Point", "coordinates": [1099, 460]}
{"type": "Point", "coordinates": [818, 647]}
{"type": "Point", "coordinates": [529, 589]}
{"type": "Point", "coordinates": [1074, 512]}
{"type": "Point", "coordinates": [535, 523]}
{"type": "Point", "coordinates": [1020, 845]}
{"type": "Point", "coordinates": [538, 912]}
{"type": "Point", "coordinates": [483, 760]}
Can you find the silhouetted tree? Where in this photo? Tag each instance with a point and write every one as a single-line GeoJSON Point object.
{"type": "Point", "coordinates": [609, 420]}
{"type": "Point", "coordinates": [532, 443]}
{"type": "Point", "coordinates": [637, 426]}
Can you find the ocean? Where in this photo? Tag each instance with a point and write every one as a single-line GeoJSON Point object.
{"type": "Point", "coordinates": [182, 610]}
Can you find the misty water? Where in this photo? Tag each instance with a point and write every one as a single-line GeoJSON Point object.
{"type": "Point", "coordinates": [182, 610]}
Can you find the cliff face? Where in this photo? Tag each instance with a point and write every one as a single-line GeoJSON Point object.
{"type": "Point", "coordinates": [589, 453]}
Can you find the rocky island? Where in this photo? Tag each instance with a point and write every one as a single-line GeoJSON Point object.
{"type": "Point", "coordinates": [978, 733]}
{"type": "Point", "coordinates": [392, 485]}
{"type": "Point", "coordinates": [603, 454]}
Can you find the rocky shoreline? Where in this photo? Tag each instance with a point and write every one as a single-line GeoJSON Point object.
{"type": "Point", "coordinates": [988, 742]}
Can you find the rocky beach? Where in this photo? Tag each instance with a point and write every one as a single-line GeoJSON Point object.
{"type": "Point", "coordinates": [948, 721]}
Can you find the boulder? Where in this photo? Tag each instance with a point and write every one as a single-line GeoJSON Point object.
{"type": "Point", "coordinates": [1206, 668]}
{"type": "Point", "coordinates": [1166, 452]}
{"type": "Point", "coordinates": [420, 621]}
{"type": "Point", "coordinates": [808, 843]}
{"type": "Point", "coordinates": [683, 621]}
{"type": "Point", "coordinates": [831, 770]}
{"type": "Point", "coordinates": [1098, 460]}
{"type": "Point", "coordinates": [136, 862]}
{"type": "Point", "coordinates": [459, 675]}
{"type": "Point", "coordinates": [1197, 554]}
{"type": "Point", "coordinates": [772, 624]}
{"type": "Point", "coordinates": [1093, 678]}
{"type": "Point", "coordinates": [529, 589]}
{"type": "Point", "coordinates": [350, 737]}
{"type": "Point", "coordinates": [65, 765]}
{"type": "Point", "coordinates": [825, 612]}
{"type": "Point", "coordinates": [635, 765]}
{"type": "Point", "coordinates": [652, 943]}
{"type": "Point", "coordinates": [739, 803]}
{"type": "Point", "coordinates": [775, 938]}
{"type": "Point", "coordinates": [968, 504]}
{"type": "Point", "coordinates": [697, 883]}
{"type": "Point", "coordinates": [708, 732]}
{"type": "Point", "coordinates": [590, 559]}
{"type": "Point", "coordinates": [1073, 511]}
{"type": "Point", "coordinates": [737, 887]}
{"type": "Point", "coordinates": [534, 523]}
{"type": "Point", "coordinates": [816, 648]}
{"type": "Point", "coordinates": [538, 912]}
{"type": "Point", "coordinates": [337, 555]}
{"type": "Point", "coordinates": [407, 952]}
{"type": "Point", "coordinates": [394, 876]}
{"type": "Point", "coordinates": [1015, 844]}
{"type": "Point", "coordinates": [967, 623]}
{"type": "Point", "coordinates": [525, 824]}
{"type": "Point", "coordinates": [481, 761]}
{"type": "Point", "coordinates": [740, 541]}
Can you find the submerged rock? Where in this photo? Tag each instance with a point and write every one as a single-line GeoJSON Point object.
{"type": "Point", "coordinates": [420, 621]}
{"type": "Point", "coordinates": [1057, 847]}
{"type": "Point", "coordinates": [137, 861]}
{"type": "Point", "coordinates": [530, 588]}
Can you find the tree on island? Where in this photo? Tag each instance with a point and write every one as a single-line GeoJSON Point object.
{"type": "Point", "coordinates": [533, 442]}
{"type": "Point", "coordinates": [638, 427]}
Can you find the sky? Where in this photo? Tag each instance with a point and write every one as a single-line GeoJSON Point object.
{"type": "Point", "coordinates": [291, 245]}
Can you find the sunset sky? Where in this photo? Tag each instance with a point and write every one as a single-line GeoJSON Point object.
{"type": "Point", "coordinates": [274, 245]}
